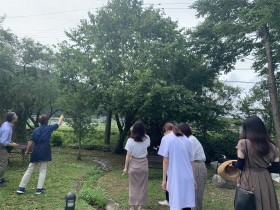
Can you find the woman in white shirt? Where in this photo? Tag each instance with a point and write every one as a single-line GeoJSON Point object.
{"type": "Point", "coordinates": [136, 165]}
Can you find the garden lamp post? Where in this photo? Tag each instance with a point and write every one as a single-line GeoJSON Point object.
{"type": "Point", "coordinates": [70, 199]}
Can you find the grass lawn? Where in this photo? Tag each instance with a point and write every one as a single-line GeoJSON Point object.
{"type": "Point", "coordinates": [66, 174]}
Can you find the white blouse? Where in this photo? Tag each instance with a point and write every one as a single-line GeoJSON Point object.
{"type": "Point", "coordinates": [138, 149]}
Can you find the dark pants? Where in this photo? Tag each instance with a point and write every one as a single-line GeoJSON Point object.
{"type": "Point", "coordinates": [166, 193]}
{"type": "Point", "coordinates": [4, 156]}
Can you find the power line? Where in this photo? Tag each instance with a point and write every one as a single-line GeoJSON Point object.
{"type": "Point", "coordinates": [167, 4]}
{"type": "Point", "coordinates": [244, 69]}
{"type": "Point", "coordinates": [237, 81]}
{"type": "Point", "coordinates": [51, 13]}
{"type": "Point", "coordinates": [78, 10]}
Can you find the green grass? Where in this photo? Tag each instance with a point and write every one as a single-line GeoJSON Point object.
{"type": "Point", "coordinates": [64, 174]}
{"type": "Point", "coordinates": [91, 185]}
{"type": "Point", "coordinates": [214, 198]}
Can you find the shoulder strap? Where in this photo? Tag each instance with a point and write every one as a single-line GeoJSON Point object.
{"type": "Point", "coordinates": [184, 145]}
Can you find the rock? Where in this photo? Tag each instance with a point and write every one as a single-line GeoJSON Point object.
{"type": "Point", "coordinates": [105, 165]}
{"type": "Point", "coordinates": [214, 165]}
{"type": "Point", "coordinates": [218, 181]}
{"type": "Point", "coordinates": [111, 205]}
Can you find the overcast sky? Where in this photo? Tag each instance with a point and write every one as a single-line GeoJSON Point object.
{"type": "Point", "coordinates": [46, 20]}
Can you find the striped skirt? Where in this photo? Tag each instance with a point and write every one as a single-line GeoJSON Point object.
{"type": "Point", "coordinates": [138, 181]}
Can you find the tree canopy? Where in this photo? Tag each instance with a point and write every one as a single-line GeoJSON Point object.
{"type": "Point", "coordinates": [232, 30]}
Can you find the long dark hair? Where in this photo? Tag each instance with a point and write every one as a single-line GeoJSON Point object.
{"type": "Point", "coordinates": [255, 131]}
{"type": "Point", "coordinates": [138, 131]}
{"type": "Point", "coordinates": [185, 128]}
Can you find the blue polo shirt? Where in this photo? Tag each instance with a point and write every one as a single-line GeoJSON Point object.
{"type": "Point", "coordinates": [41, 137]}
{"type": "Point", "coordinates": [6, 132]}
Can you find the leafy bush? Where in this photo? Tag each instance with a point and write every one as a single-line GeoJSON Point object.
{"type": "Point", "coordinates": [217, 144]}
{"type": "Point", "coordinates": [95, 196]}
{"type": "Point", "coordinates": [56, 140]}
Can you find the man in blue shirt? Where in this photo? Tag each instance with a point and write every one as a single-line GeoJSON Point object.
{"type": "Point", "coordinates": [6, 131]}
{"type": "Point", "coordinates": [41, 153]}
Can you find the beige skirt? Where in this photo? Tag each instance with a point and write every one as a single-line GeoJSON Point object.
{"type": "Point", "coordinates": [138, 181]}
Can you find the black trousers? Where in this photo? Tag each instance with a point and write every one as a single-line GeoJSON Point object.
{"type": "Point", "coordinates": [166, 192]}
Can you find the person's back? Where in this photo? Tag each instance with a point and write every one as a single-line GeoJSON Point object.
{"type": "Point", "coordinates": [257, 158]}
{"type": "Point", "coordinates": [41, 153]}
{"type": "Point", "coordinates": [177, 153]}
{"type": "Point", "coordinates": [198, 150]}
{"type": "Point", "coordinates": [199, 169]}
{"type": "Point", "coordinates": [136, 165]}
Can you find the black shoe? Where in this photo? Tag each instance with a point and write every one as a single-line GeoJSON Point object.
{"type": "Point", "coordinates": [21, 190]}
{"type": "Point", "coordinates": [2, 184]}
{"type": "Point", "coordinates": [40, 191]}
{"type": "Point", "coordinates": [3, 180]}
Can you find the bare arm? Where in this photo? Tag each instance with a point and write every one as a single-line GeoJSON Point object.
{"type": "Point", "coordinates": [60, 119]}
{"type": "Point", "coordinates": [127, 158]}
{"type": "Point", "coordinates": [29, 144]}
{"type": "Point", "coordinates": [240, 154]}
{"type": "Point", "coordinates": [195, 185]}
{"type": "Point", "coordinates": [164, 172]}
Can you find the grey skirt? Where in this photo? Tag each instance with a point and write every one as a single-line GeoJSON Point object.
{"type": "Point", "coordinates": [138, 181]}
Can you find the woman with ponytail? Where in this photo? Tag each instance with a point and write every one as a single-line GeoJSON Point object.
{"type": "Point", "coordinates": [136, 165]}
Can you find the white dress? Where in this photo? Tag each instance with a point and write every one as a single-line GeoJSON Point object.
{"type": "Point", "coordinates": [180, 181]}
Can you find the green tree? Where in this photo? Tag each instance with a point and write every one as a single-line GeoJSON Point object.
{"type": "Point", "coordinates": [26, 80]}
{"type": "Point", "coordinates": [74, 103]}
{"type": "Point", "coordinates": [232, 30]}
{"type": "Point", "coordinates": [75, 90]}
{"type": "Point", "coordinates": [257, 102]}
{"type": "Point", "coordinates": [134, 52]}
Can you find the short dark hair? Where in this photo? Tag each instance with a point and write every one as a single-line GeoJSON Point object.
{"type": "Point", "coordinates": [10, 116]}
{"type": "Point", "coordinates": [167, 127]}
{"type": "Point", "coordinates": [44, 119]}
{"type": "Point", "coordinates": [185, 128]}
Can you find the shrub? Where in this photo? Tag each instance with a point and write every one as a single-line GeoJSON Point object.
{"type": "Point", "coordinates": [56, 140]}
{"type": "Point", "coordinates": [95, 196]}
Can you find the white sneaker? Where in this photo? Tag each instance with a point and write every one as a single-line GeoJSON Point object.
{"type": "Point", "coordinates": [164, 203]}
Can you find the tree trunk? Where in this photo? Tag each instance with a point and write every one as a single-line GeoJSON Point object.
{"type": "Point", "coordinates": [272, 84]}
{"type": "Point", "coordinates": [108, 128]}
{"type": "Point", "coordinates": [129, 121]}
{"type": "Point", "coordinates": [79, 156]}
{"type": "Point", "coordinates": [119, 147]}
{"type": "Point", "coordinates": [20, 134]}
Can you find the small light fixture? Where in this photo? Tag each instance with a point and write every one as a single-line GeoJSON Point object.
{"type": "Point", "coordinates": [70, 199]}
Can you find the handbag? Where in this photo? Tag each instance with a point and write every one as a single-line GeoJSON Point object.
{"type": "Point", "coordinates": [244, 199]}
